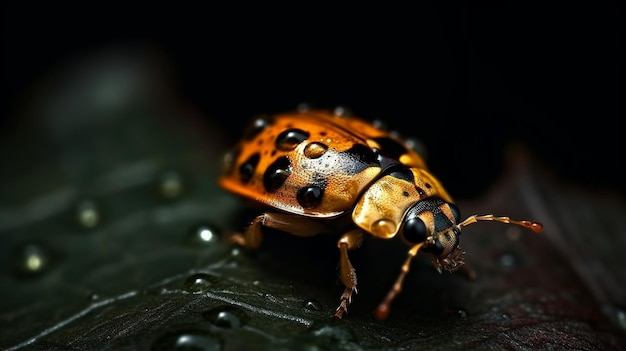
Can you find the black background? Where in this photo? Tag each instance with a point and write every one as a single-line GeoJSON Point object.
{"type": "Point", "coordinates": [467, 79]}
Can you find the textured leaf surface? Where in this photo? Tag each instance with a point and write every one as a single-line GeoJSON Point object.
{"type": "Point", "coordinates": [110, 221]}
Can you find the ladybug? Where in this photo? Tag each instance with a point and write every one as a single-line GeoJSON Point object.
{"type": "Point", "coordinates": [322, 172]}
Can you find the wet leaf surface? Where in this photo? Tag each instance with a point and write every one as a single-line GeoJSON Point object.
{"type": "Point", "coordinates": [111, 225]}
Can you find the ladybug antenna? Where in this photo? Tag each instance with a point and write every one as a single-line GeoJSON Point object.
{"type": "Point", "coordinates": [534, 226]}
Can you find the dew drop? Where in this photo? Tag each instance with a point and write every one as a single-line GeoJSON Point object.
{"type": "Point", "coordinates": [200, 282]}
{"type": "Point", "coordinates": [87, 213]}
{"type": "Point", "coordinates": [312, 305]}
{"type": "Point", "coordinates": [379, 124]}
{"type": "Point", "coordinates": [461, 313]}
{"type": "Point", "coordinates": [616, 314]}
{"type": "Point", "coordinates": [227, 160]}
{"type": "Point", "coordinates": [33, 259]}
{"type": "Point", "coordinates": [259, 124]}
{"type": "Point", "coordinates": [303, 107]}
{"type": "Point", "coordinates": [417, 146]}
{"type": "Point", "coordinates": [188, 340]}
{"type": "Point", "coordinates": [513, 232]}
{"type": "Point", "coordinates": [508, 260]}
{"type": "Point", "coordinates": [203, 234]}
{"type": "Point", "coordinates": [227, 317]}
{"type": "Point", "coordinates": [498, 313]}
{"type": "Point", "coordinates": [620, 318]}
{"type": "Point", "coordinates": [315, 150]}
{"type": "Point", "coordinates": [333, 332]}
{"type": "Point", "coordinates": [34, 262]}
{"type": "Point", "coordinates": [342, 111]}
{"type": "Point", "coordinates": [171, 185]}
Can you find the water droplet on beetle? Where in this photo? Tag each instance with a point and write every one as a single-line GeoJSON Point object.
{"type": "Point", "coordinates": [342, 111]}
{"type": "Point", "coordinates": [315, 150]}
{"type": "Point", "coordinates": [379, 124]}
{"type": "Point", "coordinates": [303, 107]}
{"type": "Point", "coordinates": [417, 146]}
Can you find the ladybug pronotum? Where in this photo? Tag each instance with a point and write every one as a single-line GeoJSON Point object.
{"type": "Point", "coordinates": [320, 172]}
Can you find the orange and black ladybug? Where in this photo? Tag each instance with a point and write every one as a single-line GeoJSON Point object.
{"type": "Point", "coordinates": [320, 172]}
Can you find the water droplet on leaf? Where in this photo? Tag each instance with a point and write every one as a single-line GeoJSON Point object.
{"type": "Point", "coordinates": [461, 312]}
{"type": "Point", "coordinates": [171, 185]}
{"type": "Point", "coordinates": [200, 340]}
{"type": "Point", "coordinates": [508, 260]}
{"type": "Point", "coordinates": [33, 259]}
{"type": "Point", "coordinates": [200, 282]}
{"type": "Point", "coordinates": [312, 305]}
{"type": "Point", "coordinates": [333, 332]}
{"type": "Point", "coordinates": [228, 317]}
{"type": "Point", "coordinates": [87, 213]}
{"type": "Point", "coordinates": [203, 234]}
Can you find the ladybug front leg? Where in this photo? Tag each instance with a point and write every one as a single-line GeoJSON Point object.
{"type": "Point", "coordinates": [290, 223]}
{"type": "Point", "coordinates": [347, 274]}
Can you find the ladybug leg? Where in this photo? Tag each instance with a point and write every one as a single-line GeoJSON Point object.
{"type": "Point", "coordinates": [383, 309]}
{"type": "Point", "coordinates": [347, 274]}
{"type": "Point", "coordinates": [252, 236]}
{"type": "Point", "coordinates": [290, 223]}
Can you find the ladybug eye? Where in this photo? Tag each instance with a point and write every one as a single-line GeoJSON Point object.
{"type": "Point", "coordinates": [415, 230]}
{"type": "Point", "coordinates": [455, 212]}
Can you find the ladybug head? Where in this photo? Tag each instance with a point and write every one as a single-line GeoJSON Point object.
{"type": "Point", "coordinates": [435, 225]}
